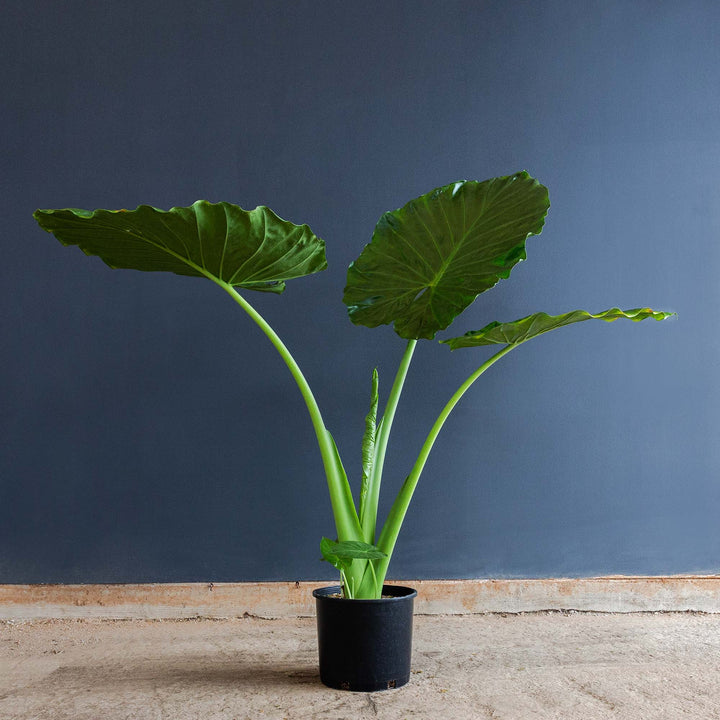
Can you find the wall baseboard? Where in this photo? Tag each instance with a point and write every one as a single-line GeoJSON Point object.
{"type": "Point", "coordinates": [676, 593]}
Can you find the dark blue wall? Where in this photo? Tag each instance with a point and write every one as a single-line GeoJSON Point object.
{"type": "Point", "coordinates": [150, 433]}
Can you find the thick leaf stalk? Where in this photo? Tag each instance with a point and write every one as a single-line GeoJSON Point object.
{"type": "Point", "coordinates": [394, 521]}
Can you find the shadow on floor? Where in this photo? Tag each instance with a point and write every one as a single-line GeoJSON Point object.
{"type": "Point", "coordinates": [203, 671]}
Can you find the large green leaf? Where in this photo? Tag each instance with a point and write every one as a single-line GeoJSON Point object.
{"type": "Point", "coordinates": [431, 258]}
{"type": "Point", "coordinates": [513, 333]}
{"type": "Point", "coordinates": [252, 249]}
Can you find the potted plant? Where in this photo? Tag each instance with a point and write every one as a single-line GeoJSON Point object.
{"type": "Point", "coordinates": [425, 264]}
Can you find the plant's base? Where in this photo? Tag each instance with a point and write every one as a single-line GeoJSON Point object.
{"type": "Point", "coordinates": [365, 645]}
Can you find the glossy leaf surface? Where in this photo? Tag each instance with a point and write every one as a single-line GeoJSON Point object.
{"type": "Point", "coordinates": [251, 249]}
{"type": "Point", "coordinates": [513, 333]}
{"type": "Point", "coordinates": [430, 259]}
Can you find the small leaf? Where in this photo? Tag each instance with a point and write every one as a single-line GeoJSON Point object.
{"type": "Point", "coordinates": [513, 333]}
{"type": "Point", "coordinates": [356, 550]}
{"type": "Point", "coordinates": [251, 249]}
{"type": "Point", "coordinates": [349, 550]}
{"type": "Point", "coordinates": [328, 554]}
{"type": "Point", "coordinates": [368, 442]}
{"type": "Point", "coordinates": [431, 258]}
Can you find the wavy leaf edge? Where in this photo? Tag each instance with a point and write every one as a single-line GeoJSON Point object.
{"type": "Point", "coordinates": [306, 235]}
{"type": "Point", "coordinates": [421, 294]}
{"type": "Point", "coordinates": [530, 326]}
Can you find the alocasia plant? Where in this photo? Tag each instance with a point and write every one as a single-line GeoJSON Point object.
{"type": "Point", "coordinates": [425, 264]}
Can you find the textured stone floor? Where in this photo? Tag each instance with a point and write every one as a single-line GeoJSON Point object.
{"type": "Point", "coordinates": [538, 665]}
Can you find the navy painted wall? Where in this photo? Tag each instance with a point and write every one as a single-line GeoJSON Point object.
{"type": "Point", "coordinates": [150, 433]}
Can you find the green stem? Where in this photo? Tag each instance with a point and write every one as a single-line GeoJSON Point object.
{"type": "Point", "coordinates": [346, 519]}
{"type": "Point", "coordinates": [378, 590]}
{"type": "Point", "coordinates": [368, 512]}
{"type": "Point", "coordinates": [346, 591]}
{"type": "Point", "coordinates": [391, 529]}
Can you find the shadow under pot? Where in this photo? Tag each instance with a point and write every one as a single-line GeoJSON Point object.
{"type": "Point", "coordinates": [365, 645]}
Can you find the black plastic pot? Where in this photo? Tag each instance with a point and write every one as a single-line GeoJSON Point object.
{"type": "Point", "coordinates": [365, 645]}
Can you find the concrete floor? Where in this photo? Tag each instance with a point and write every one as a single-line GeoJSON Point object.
{"type": "Point", "coordinates": [538, 665]}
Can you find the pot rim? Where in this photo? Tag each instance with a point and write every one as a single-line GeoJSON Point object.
{"type": "Point", "coordinates": [405, 593]}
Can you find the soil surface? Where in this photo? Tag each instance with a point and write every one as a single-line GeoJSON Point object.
{"type": "Point", "coordinates": [510, 667]}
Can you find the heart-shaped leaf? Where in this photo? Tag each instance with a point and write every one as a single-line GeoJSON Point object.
{"type": "Point", "coordinates": [513, 333]}
{"type": "Point", "coordinates": [431, 258]}
{"type": "Point", "coordinates": [251, 249]}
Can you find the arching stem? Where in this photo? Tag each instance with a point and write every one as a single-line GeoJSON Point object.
{"type": "Point", "coordinates": [346, 519]}
{"type": "Point", "coordinates": [391, 528]}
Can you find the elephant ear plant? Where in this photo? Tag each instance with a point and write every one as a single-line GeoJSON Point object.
{"type": "Point", "coordinates": [425, 264]}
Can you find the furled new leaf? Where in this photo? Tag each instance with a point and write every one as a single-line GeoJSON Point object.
{"type": "Point", "coordinates": [513, 333]}
{"type": "Point", "coordinates": [252, 249]}
{"type": "Point", "coordinates": [368, 443]}
{"type": "Point", "coordinates": [431, 258]}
